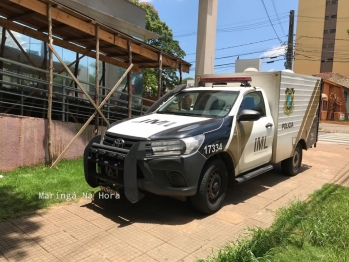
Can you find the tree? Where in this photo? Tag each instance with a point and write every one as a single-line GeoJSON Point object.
{"type": "Point", "coordinates": [166, 43]}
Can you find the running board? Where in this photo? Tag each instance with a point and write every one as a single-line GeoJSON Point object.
{"type": "Point", "coordinates": [253, 174]}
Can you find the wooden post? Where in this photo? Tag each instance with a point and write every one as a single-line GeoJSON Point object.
{"type": "Point", "coordinates": [94, 114]}
{"type": "Point", "coordinates": [97, 79]}
{"type": "Point", "coordinates": [44, 66]}
{"type": "Point", "coordinates": [50, 89]}
{"type": "Point", "coordinates": [76, 71]}
{"type": "Point", "coordinates": [159, 76]}
{"type": "Point", "coordinates": [78, 83]}
{"type": "Point", "coordinates": [2, 51]}
{"type": "Point", "coordinates": [129, 83]}
{"type": "Point", "coordinates": [180, 74]}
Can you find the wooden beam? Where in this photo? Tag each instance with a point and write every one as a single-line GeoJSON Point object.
{"type": "Point", "coordinates": [94, 114]}
{"type": "Point", "coordinates": [11, 8]}
{"type": "Point", "coordinates": [97, 79]}
{"type": "Point", "coordinates": [78, 83]}
{"type": "Point", "coordinates": [62, 26]}
{"type": "Point", "coordinates": [21, 16]}
{"type": "Point", "coordinates": [159, 76]}
{"type": "Point", "coordinates": [50, 89]}
{"type": "Point", "coordinates": [80, 39]}
{"type": "Point", "coordinates": [43, 37]}
{"type": "Point", "coordinates": [86, 27]}
{"type": "Point", "coordinates": [2, 51]}
{"type": "Point", "coordinates": [180, 74]}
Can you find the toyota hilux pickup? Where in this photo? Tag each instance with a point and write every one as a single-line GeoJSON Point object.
{"type": "Point", "coordinates": [193, 141]}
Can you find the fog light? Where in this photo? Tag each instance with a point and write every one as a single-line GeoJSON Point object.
{"type": "Point", "coordinates": [177, 179]}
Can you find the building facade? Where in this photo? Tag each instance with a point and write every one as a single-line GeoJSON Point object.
{"type": "Point", "coordinates": [322, 41]}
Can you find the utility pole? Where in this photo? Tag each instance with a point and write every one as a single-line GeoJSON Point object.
{"type": "Point", "coordinates": [289, 56]}
{"type": "Point", "coordinates": [206, 39]}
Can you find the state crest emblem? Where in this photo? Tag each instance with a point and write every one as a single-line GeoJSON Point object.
{"type": "Point", "coordinates": [289, 101]}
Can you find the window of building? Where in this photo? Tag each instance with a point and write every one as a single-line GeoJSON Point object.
{"type": "Point", "coordinates": [328, 2]}
{"type": "Point", "coordinates": [334, 2]}
{"type": "Point", "coordinates": [332, 31]}
{"type": "Point", "coordinates": [330, 45]}
{"type": "Point", "coordinates": [330, 59]}
{"type": "Point", "coordinates": [324, 46]}
{"type": "Point", "coordinates": [323, 61]}
{"type": "Point", "coordinates": [327, 17]}
{"type": "Point", "coordinates": [325, 31]}
{"type": "Point", "coordinates": [333, 16]}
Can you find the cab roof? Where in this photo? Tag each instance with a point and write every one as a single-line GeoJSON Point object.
{"type": "Point", "coordinates": [221, 88]}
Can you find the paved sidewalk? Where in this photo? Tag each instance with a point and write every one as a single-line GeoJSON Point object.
{"type": "Point", "coordinates": [334, 128]}
{"type": "Point", "coordinates": [164, 229]}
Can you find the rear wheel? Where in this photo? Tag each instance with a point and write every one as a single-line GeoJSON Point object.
{"type": "Point", "coordinates": [212, 187]}
{"type": "Point", "coordinates": [290, 166]}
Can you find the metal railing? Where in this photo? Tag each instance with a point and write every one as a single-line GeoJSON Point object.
{"type": "Point", "coordinates": [24, 91]}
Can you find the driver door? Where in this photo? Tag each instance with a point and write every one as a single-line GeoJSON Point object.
{"type": "Point", "coordinates": [255, 137]}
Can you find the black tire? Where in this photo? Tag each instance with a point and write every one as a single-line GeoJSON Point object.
{"type": "Point", "coordinates": [212, 187]}
{"type": "Point", "coordinates": [291, 166]}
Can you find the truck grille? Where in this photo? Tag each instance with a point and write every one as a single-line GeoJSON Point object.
{"type": "Point", "coordinates": [110, 140]}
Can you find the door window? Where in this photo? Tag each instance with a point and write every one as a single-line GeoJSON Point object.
{"type": "Point", "coordinates": [253, 101]}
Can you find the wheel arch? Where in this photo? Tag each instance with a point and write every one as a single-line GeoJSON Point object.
{"type": "Point", "coordinates": [228, 161]}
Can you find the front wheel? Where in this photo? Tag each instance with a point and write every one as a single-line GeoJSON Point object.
{"type": "Point", "coordinates": [290, 166]}
{"type": "Point", "coordinates": [212, 187]}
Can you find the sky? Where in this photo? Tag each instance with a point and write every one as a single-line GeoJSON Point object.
{"type": "Point", "coordinates": [240, 24]}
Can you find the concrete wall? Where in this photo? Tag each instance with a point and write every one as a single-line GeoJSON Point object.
{"type": "Point", "coordinates": [310, 37]}
{"type": "Point", "coordinates": [341, 49]}
{"type": "Point", "coordinates": [23, 140]}
{"type": "Point", "coordinates": [206, 38]}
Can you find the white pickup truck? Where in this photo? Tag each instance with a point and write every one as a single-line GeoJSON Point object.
{"type": "Point", "coordinates": [194, 140]}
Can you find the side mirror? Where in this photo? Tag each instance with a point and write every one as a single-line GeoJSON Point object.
{"type": "Point", "coordinates": [249, 115]}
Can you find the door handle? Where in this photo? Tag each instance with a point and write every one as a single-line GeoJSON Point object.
{"type": "Point", "coordinates": [269, 125]}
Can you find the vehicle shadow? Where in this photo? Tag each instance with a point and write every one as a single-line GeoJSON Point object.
{"type": "Point", "coordinates": [257, 185]}
{"type": "Point", "coordinates": [168, 211]}
{"type": "Point", "coordinates": [151, 209]}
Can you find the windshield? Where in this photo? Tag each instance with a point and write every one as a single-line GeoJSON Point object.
{"type": "Point", "coordinates": [200, 103]}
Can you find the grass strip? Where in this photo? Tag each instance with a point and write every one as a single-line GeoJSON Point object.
{"type": "Point", "coordinates": [313, 230]}
{"type": "Point", "coordinates": [28, 189]}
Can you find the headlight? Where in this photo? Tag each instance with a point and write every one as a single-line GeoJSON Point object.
{"type": "Point", "coordinates": [178, 147]}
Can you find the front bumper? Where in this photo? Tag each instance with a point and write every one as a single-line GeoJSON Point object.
{"type": "Point", "coordinates": [136, 169]}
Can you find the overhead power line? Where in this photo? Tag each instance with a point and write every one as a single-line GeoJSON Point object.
{"type": "Point", "coordinates": [277, 15]}
{"type": "Point", "coordinates": [250, 53]}
{"type": "Point", "coordinates": [265, 8]}
{"type": "Point", "coordinates": [249, 26]}
{"type": "Point", "coordinates": [235, 46]}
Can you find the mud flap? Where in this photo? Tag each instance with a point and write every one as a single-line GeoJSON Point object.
{"type": "Point", "coordinates": [130, 172]}
{"type": "Point", "coordinates": [90, 167]}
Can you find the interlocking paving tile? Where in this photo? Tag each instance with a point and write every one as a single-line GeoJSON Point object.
{"type": "Point", "coordinates": [144, 258]}
{"type": "Point", "coordinates": [143, 241]}
{"type": "Point", "coordinates": [167, 252]}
